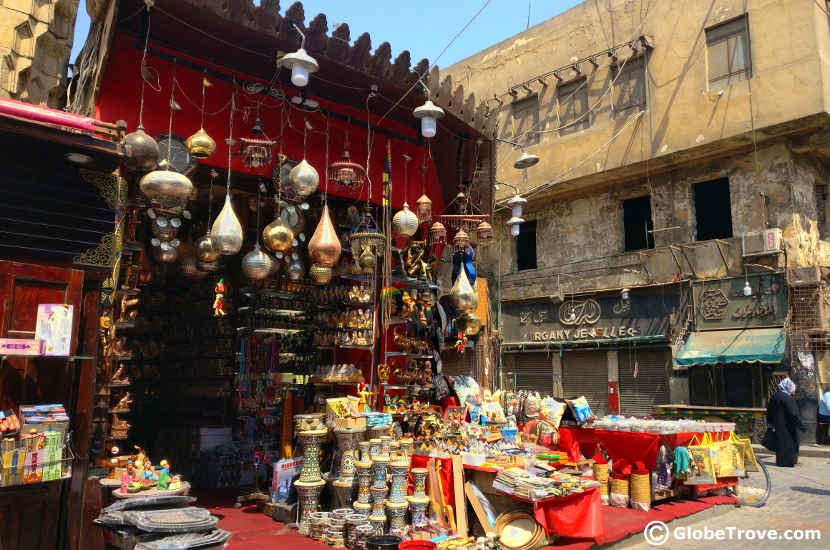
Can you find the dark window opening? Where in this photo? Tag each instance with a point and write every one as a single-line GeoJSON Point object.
{"type": "Point", "coordinates": [523, 118]}
{"type": "Point", "coordinates": [713, 209]}
{"type": "Point", "coordinates": [526, 246]}
{"type": "Point", "coordinates": [638, 223]}
{"type": "Point", "coordinates": [821, 209]}
{"type": "Point", "coordinates": [729, 53]}
{"type": "Point", "coordinates": [629, 85]}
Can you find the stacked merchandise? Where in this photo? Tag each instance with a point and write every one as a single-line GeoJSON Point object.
{"type": "Point", "coordinates": [35, 453]}
{"type": "Point", "coordinates": [162, 523]}
{"type": "Point", "coordinates": [519, 482]}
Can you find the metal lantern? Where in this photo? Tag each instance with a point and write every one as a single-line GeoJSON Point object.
{"type": "Point", "coordinates": [226, 232]}
{"type": "Point", "coordinates": [277, 236]}
{"type": "Point", "coordinates": [324, 247]}
{"type": "Point", "coordinates": [303, 180]}
{"type": "Point", "coordinates": [346, 173]}
{"type": "Point", "coordinates": [367, 242]}
{"type": "Point", "coordinates": [462, 293]}
{"type": "Point", "coordinates": [207, 257]}
{"type": "Point", "coordinates": [320, 274]}
{"type": "Point", "coordinates": [405, 222]}
{"type": "Point", "coordinates": [367, 262]}
{"type": "Point", "coordinates": [166, 186]}
{"type": "Point", "coordinates": [141, 150]}
{"type": "Point", "coordinates": [429, 113]}
{"type": "Point", "coordinates": [200, 145]}
{"type": "Point", "coordinates": [423, 208]}
{"type": "Point", "coordinates": [438, 233]}
{"type": "Point", "coordinates": [461, 239]}
{"type": "Point", "coordinates": [257, 264]}
{"type": "Point", "coordinates": [484, 233]}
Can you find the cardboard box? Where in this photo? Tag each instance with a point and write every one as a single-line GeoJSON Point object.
{"type": "Point", "coordinates": [54, 328]}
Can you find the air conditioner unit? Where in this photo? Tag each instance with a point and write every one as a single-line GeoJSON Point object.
{"type": "Point", "coordinates": [762, 242]}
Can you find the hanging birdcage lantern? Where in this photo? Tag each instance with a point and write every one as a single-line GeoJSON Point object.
{"type": "Point", "coordinates": [346, 173]}
{"type": "Point", "coordinates": [367, 242]}
{"type": "Point", "coordinates": [484, 233]}
{"type": "Point", "coordinates": [423, 209]}
{"type": "Point", "coordinates": [438, 234]}
{"type": "Point", "coordinates": [461, 239]}
{"type": "Point", "coordinates": [257, 153]}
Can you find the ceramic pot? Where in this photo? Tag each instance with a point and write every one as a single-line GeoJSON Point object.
{"type": "Point", "coordinates": [364, 451]}
{"type": "Point", "coordinates": [406, 448]}
{"type": "Point", "coordinates": [343, 492]}
{"type": "Point", "coordinates": [364, 481]}
{"type": "Point", "coordinates": [419, 478]}
{"type": "Point", "coordinates": [378, 500]}
{"type": "Point", "coordinates": [311, 441]}
{"type": "Point", "coordinates": [309, 497]}
{"type": "Point", "coordinates": [374, 447]}
{"type": "Point", "coordinates": [419, 505]}
{"type": "Point", "coordinates": [385, 445]}
{"type": "Point", "coordinates": [346, 444]}
{"type": "Point", "coordinates": [380, 468]}
{"type": "Point", "coordinates": [399, 472]}
{"type": "Point", "coordinates": [379, 525]}
{"type": "Point", "coordinates": [396, 512]}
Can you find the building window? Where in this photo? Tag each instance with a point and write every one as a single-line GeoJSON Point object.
{"type": "Point", "coordinates": [638, 223]}
{"type": "Point", "coordinates": [523, 117]}
{"type": "Point", "coordinates": [728, 48]}
{"type": "Point", "coordinates": [629, 85]}
{"type": "Point", "coordinates": [713, 209]}
{"type": "Point", "coordinates": [821, 208]}
{"type": "Point", "coordinates": [526, 246]}
{"type": "Point", "coordinates": [573, 106]}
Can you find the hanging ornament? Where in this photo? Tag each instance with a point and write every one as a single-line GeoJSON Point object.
{"type": "Point", "coordinates": [166, 186]}
{"type": "Point", "coordinates": [320, 274]}
{"type": "Point", "coordinates": [438, 234]}
{"type": "Point", "coordinates": [462, 294]}
{"type": "Point", "coordinates": [405, 222]}
{"type": "Point", "coordinates": [484, 233]}
{"type": "Point", "coordinates": [141, 150]}
{"type": "Point", "coordinates": [461, 239]}
{"type": "Point", "coordinates": [201, 145]}
{"type": "Point", "coordinates": [296, 270]}
{"type": "Point", "coordinates": [256, 264]}
{"type": "Point", "coordinates": [324, 247]}
{"type": "Point", "coordinates": [344, 172]}
{"type": "Point", "coordinates": [207, 257]}
{"type": "Point", "coordinates": [423, 206]}
{"type": "Point", "coordinates": [303, 179]}
{"type": "Point", "coordinates": [226, 232]}
{"type": "Point", "coordinates": [277, 235]}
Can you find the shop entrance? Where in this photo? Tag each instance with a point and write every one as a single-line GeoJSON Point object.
{"type": "Point", "coordinates": [534, 371]}
{"type": "Point", "coordinates": [586, 373]}
{"type": "Point", "coordinates": [643, 380]}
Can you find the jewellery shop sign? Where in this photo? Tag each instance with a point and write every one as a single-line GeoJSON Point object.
{"type": "Point", "coordinates": [589, 318]}
{"type": "Point", "coordinates": [723, 304]}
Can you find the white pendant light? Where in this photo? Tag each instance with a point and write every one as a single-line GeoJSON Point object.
{"type": "Point", "coordinates": [300, 63]}
{"type": "Point", "coordinates": [429, 113]}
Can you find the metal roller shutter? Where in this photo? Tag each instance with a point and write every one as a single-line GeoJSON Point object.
{"type": "Point", "coordinates": [586, 373]}
{"type": "Point", "coordinates": [534, 371]}
{"type": "Point", "coordinates": [455, 364]}
{"type": "Point", "coordinates": [638, 396]}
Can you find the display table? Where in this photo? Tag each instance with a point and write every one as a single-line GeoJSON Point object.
{"type": "Point", "coordinates": [578, 515]}
{"type": "Point", "coordinates": [632, 446]}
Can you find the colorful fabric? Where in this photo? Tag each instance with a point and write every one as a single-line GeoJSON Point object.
{"type": "Point", "coordinates": [787, 386]}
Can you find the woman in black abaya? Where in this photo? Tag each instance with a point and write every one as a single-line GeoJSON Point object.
{"type": "Point", "coordinates": [783, 416]}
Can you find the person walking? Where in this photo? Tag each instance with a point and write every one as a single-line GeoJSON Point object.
{"type": "Point", "coordinates": [823, 418]}
{"type": "Point", "coordinates": [783, 416]}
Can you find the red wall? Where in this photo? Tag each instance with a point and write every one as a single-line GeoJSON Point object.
{"type": "Point", "coordinates": [120, 98]}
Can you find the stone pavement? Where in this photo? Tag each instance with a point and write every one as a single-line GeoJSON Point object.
{"type": "Point", "coordinates": [800, 499]}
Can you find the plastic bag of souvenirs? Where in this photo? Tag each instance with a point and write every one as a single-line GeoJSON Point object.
{"type": "Point", "coordinates": [580, 409]}
{"type": "Point", "coordinates": [552, 410]}
{"type": "Point", "coordinates": [744, 446]}
{"type": "Point", "coordinates": [702, 454]}
{"type": "Point", "coordinates": [728, 459]}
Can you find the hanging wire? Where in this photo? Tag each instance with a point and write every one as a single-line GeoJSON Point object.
{"type": "Point", "coordinates": [258, 200]}
{"type": "Point", "coordinates": [142, 69]}
{"type": "Point", "coordinates": [230, 133]}
{"type": "Point", "coordinates": [213, 174]}
{"type": "Point", "coordinates": [326, 186]}
{"type": "Point", "coordinates": [205, 84]}
{"type": "Point", "coordinates": [170, 122]}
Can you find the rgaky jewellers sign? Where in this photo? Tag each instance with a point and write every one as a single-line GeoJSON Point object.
{"type": "Point", "coordinates": [609, 317]}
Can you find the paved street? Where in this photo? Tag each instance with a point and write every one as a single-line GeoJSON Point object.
{"type": "Point", "coordinates": [800, 500]}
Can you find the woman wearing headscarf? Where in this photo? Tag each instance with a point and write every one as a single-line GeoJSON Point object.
{"type": "Point", "coordinates": [784, 417]}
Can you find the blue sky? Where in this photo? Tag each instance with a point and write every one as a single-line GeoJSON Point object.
{"type": "Point", "coordinates": [424, 27]}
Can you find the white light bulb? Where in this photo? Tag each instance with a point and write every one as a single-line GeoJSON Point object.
{"type": "Point", "coordinates": [517, 211]}
{"type": "Point", "coordinates": [747, 289]}
{"type": "Point", "coordinates": [299, 75]}
{"type": "Point", "coordinates": [428, 127]}
{"type": "Point", "coordinates": [514, 230]}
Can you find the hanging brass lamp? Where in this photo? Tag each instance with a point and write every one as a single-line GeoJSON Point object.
{"type": "Point", "coordinates": [141, 150]}
{"type": "Point", "coordinates": [320, 274]}
{"type": "Point", "coordinates": [324, 247]}
{"type": "Point", "coordinates": [201, 145]}
{"type": "Point", "coordinates": [256, 264]}
{"type": "Point", "coordinates": [303, 179]}
{"type": "Point", "coordinates": [438, 234]}
{"type": "Point", "coordinates": [166, 186]}
{"type": "Point", "coordinates": [461, 239]}
{"type": "Point", "coordinates": [484, 233]}
{"type": "Point", "coordinates": [405, 222]}
{"type": "Point", "coordinates": [226, 232]}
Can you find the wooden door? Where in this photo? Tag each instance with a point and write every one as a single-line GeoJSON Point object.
{"type": "Point", "coordinates": [30, 514]}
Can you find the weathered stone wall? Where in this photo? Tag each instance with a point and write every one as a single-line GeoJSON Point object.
{"type": "Point", "coordinates": [35, 43]}
{"type": "Point", "coordinates": [584, 235]}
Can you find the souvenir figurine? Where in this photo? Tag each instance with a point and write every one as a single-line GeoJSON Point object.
{"type": "Point", "coordinates": [128, 476]}
{"type": "Point", "coordinates": [140, 459]}
{"type": "Point", "coordinates": [219, 300]}
{"type": "Point", "coordinates": [365, 397]}
{"type": "Point", "coordinates": [383, 373]}
{"type": "Point", "coordinates": [148, 475]}
{"type": "Point", "coordinates": [164, 475]}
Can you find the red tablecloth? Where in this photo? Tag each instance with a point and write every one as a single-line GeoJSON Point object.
{"type": "Point", "coordinates": [632, 446]}
{"type": "Point", "coordinates": [578, 515]}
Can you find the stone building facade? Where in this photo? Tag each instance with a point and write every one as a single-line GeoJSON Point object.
{"type": "Point", "coordinates": [35, 43]}
{"type": "Point", "coordinates": [674, 139]}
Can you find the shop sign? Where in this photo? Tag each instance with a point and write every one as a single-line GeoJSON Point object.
{"type": "Point", "coordinates": [589, 318]}
{"type": "Point", "coordinates": [723, 305]}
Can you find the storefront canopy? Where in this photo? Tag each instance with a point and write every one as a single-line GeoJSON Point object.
{"type": "Point", "coordinates": [760, 345]}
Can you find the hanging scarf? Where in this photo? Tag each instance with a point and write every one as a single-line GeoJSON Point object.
{"type": "Point", "coordinates": [464, 258]}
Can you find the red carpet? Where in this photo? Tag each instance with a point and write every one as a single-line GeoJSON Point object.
{"type": "Point", "coordinates": [254, 531]}
{"type": "Point", "coordinates": [621, 522]}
